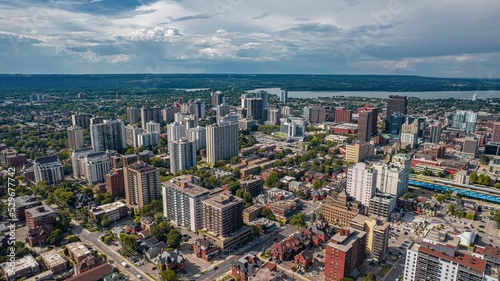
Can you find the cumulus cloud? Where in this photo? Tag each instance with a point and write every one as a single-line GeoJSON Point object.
{"type": "Point", "coordinates": [350, 36]}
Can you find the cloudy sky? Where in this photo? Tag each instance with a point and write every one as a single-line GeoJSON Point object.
{"type": "Point", "coordinates": [445, 38]}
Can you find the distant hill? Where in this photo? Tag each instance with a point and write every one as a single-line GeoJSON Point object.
{"type": "Point", "coordinates": [241, 81]}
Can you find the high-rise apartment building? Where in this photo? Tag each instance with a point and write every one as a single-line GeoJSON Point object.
{"type": "Point", "coordinates": [255, 108]}
{"type": "Point", "coordinates": [464, 121]}
{"type": "Point", "coordinates": [222, 141]}
{"type": "Point", "coordinates": [358, 151]}
{"type": "Point", "coordinates": [345, 252]}
{"type": "Point", "coordinates": [81, 120]}
{"type": "Point", "coordinates": [152, 126]}
{"type": "Point", "coordinates": [148, 139]}
{"type": "Point", "coordinates": [343, 115]}
{"type": "Point", "coordinates": [421, 121]}
{"type": "Point", "coordinates": [96, 120]}
{"type": "Point", "coordinates": [48, 168]}
{"type": "Point", "coordinates": [377, 235]}
{"type": "Point", "coordinates": [443, 261]}
{"type": "Point", "coordinates": [182, 154]}
{"type": "Point", "coordinates": [365, 125]}
{"type": "Point", "coordinates": [273, 116]}
{"type": "Point", "coordinates": [75, 137]}
{"type": "Point", "coordinates": [340, 209]}
{"type": "Point", "coordinates": [293, 127]}
{"type": "Point", "coordinates": [131, 133]}
{"type": "Point", "coordinates": [150, 114]}
{"type": "Point", "coordinates": [132, 115]}
{"type": "Point", "coordinates": [409, 133]}
{"type": "Point", "coordinates": [142, 184]}
{"type": "Point", "coordinates": [115, 183]}
{"type": "Point", "coordinates": [175, 131]}
{"type": "Point", "coordinates": [435, 133]}
{"type": "Point", "coordinates": [382, 205]}
{"type": "Point", "coordinates": [222, 214]}
{"type": "Point", "coordinates": [199, 136]}
{"type": "Point", "coordinates": [395, 104]}
{"type": "Point", "coordinates": [361, 182]}
{"type": "Point", "coordinates": [182, 202]}
{"type": "Point", "coordinates": [109, 135]}
{"type": "Point", "coordinates": [97, 165]}
{"type": "Point", "coordinates": [222, 110]}
{"type": "Point", "coordinates": [218, 98]}
{"type": "Point", "coordinates": [392, 178]}
{"type": "Point", "coordinates": [264, 95]}
{"type": "Point", "coordinates": [167, 114]}
{"type": "Point", "coordinates": [189, 121]}
{"type": "Point", "coordinates": [374, 110]}
{"type": "Point", "coordinates": [78, 161]}
{"type": "Point", "coordinates": [471, 146]}
{"type": "Point", "coordinates": [283, 96]}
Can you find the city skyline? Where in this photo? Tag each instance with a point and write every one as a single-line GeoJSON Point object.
{"type": "Point", "coordinates": [348, 37]}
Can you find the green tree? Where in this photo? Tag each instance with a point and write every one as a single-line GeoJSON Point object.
{"type": "Point", "coordinates": [440, 198]}
{"type": "Point", "coordinates": [55, 237]}
{"type": "Point", "coordinates": [497, 185]}
{"type": "Point", "coordinates": [451, 209]}
{"type": "Point", "coordinates": [484, 160]}
{"type": "Point", "coordinates": [104, 198]}
{"type": "Point", "coordinates": [105, 222]}
{"type": "Point", "coordinates": [160, 231]}
{"type": "Point", "coordinates": [267, 213]}
{"type": "Point", "coordinates": [174, 238]}
{"type": "Point", "coordinates": [255, 231]}
{"type": "Point", "coordinates": [169, 275]}
{"type": "Point", "coordinates": [128, 241]}
{"type": "Point", "coordinates": [317, 184]}
{"type": "Point", "coordinates": [220, 163]}
{"type": "Point", "coordinates": [473, 177]}
{"type": "Point", "coordinates": [234, 160]}
{"type": "Point", "coordinates": [272, 179]}
{"type": "Point", "coordinates": [469, 216]}
{"type": "Point", "coordinates": [149, 210]}
{"type": "Point", "coordinates": [298, 220]}
{"type": "Point", "coordinates": [369, 277]}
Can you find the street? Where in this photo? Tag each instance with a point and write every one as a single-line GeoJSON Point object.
{"type": "Point", "coordinates": [115, 259]}
{"type": "Point", "coordinates": [263, 243]}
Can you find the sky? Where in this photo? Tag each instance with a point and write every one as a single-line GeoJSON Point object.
{"type": "Point", "coordinates": [438, 38]}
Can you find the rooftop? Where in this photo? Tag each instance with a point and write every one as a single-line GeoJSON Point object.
{"type": "Point", "coordinates": [460, 258]}
{"type": "Point", "coordinates": [39, 211]}
{"type": "Point", "coordinates": [109, 207]}
{"type": "Point", "coordinates": [224, 200]}
{"type": "Point", "coordinates": [78, 249]}
{"type": "Point", "coordinates": [47, 159]}
{"type": "Point", "coordinates": [187, 187]}
{"type": "Point", "coordinates": [52, 258]}
{"type": "Point", "coordinates": [25, 262]}
{"type": "Point", "coordinates": [344, 242]}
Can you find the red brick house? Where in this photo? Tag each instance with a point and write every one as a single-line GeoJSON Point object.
{"type": "Point", "coordinates": [245, 267]}
{"type": "Point", "coordinates": [205, 248]}
{"type": "Point", "coordinates": [170, 260]}
{"type": "Point", "coordinates": [133, 228]}
{"type": "Point", "coordinates": [304, 259]}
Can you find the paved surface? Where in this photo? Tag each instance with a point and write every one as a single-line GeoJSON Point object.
{"type": "Point", "coordinates": [263, 242]}
{"type": "Point", "coordinates": [92, 239]}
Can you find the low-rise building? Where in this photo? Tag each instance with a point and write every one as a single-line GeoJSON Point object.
{"type": "Point", "coordinates": [246, 266]}
{"type": "Point", "coordinates": [340, 209]}
{"type": "Point", "coordinates": [170, 260]}
{"type": "Point", "coordinates": [100, 272]}
{"type": "Point", "coordinates": [253, 185]}
{"type": "Point", "coordinates": [284, 209]}
{"type": "Point", "coordinates": [205, 248]}
{"type": "Point", "coordinates": [77, 251]}
{"type": "Point", "coordinates": [53, 261]}
{"type": "Point", "coordinates": [24, 202]}
{"type": "Point", "coordinates": [23, 267]}
{"type": "Point", "coordinates": [113, 211]}
{"type": "Point", "coordinates": [251, 213]}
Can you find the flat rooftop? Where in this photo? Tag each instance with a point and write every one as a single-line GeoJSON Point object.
{"type": "Point", "coordinates": [78, 249]}
{"type": "Point", "coordinates": [23, 263]}
{"type": "Point", "coordinates": [187, 187]}
{"type": "Point", "coordinates": [343, 242]}
{"type": "Point", "coordinates": [52, 258]}
{"type": "Point", "coordinates": [223, 200]}
{"type": "Point", "coordinates": [39, 211]}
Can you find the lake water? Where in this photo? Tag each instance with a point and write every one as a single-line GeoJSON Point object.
{"type": "Point", "coordinates": [422, 95]}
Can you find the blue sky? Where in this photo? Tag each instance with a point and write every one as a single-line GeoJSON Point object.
{"type": "Point", "coordinates": [450, 38]}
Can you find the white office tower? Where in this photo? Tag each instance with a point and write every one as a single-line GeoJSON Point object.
{"type": "Point", "coordinates": [284, 96]}
{"type": "Point", "coordinates": [293, 127]}
{"type": "Point", "coordinates": [273, 116]}
{"type": "Point", "coordinates": [465, 121]}
{"type": "Point", "coordinates": [75, 137]}
{"type": "Point", "coordinates": [474, 97]}
{"type": "Point", "coordinates": [148, 139]}
{"type": "Point", "coordinates": [361, 183]}
{"type": "Point", "coordinates": [182, 202]}
{"type": "Point", "coordinates": [392, 178]}
{"type": "Point", "coordinates": [97, 165]}
{"type": "Point", "coordinates": [244, 103]}
{"type": "Point", "coordinates": [182, 154]}
{"type": "Point", "coordinates": [222, 141]}
{"type": "Point", "coordinates": [109, 135]}
{"type": "Point", "coordinates": [436, 131]}
{"type": "Point", "coordinates": [48, 168]}
{"type": "Point", "coordinates": [223, 110]}
{"type": "Point", "coordinates": [199, 136]}
{"type": "Point", "coordinates": [153, 126]}
{"type": "Point", "coordinates": [131, 132]}
{"type": "Point", "coordinates": [175, 131]}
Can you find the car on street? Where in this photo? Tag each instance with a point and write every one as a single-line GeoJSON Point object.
{"type": "Point", "coordinates": [216, 267]}
{"type": "Point", "coordinates": [139, 276]}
